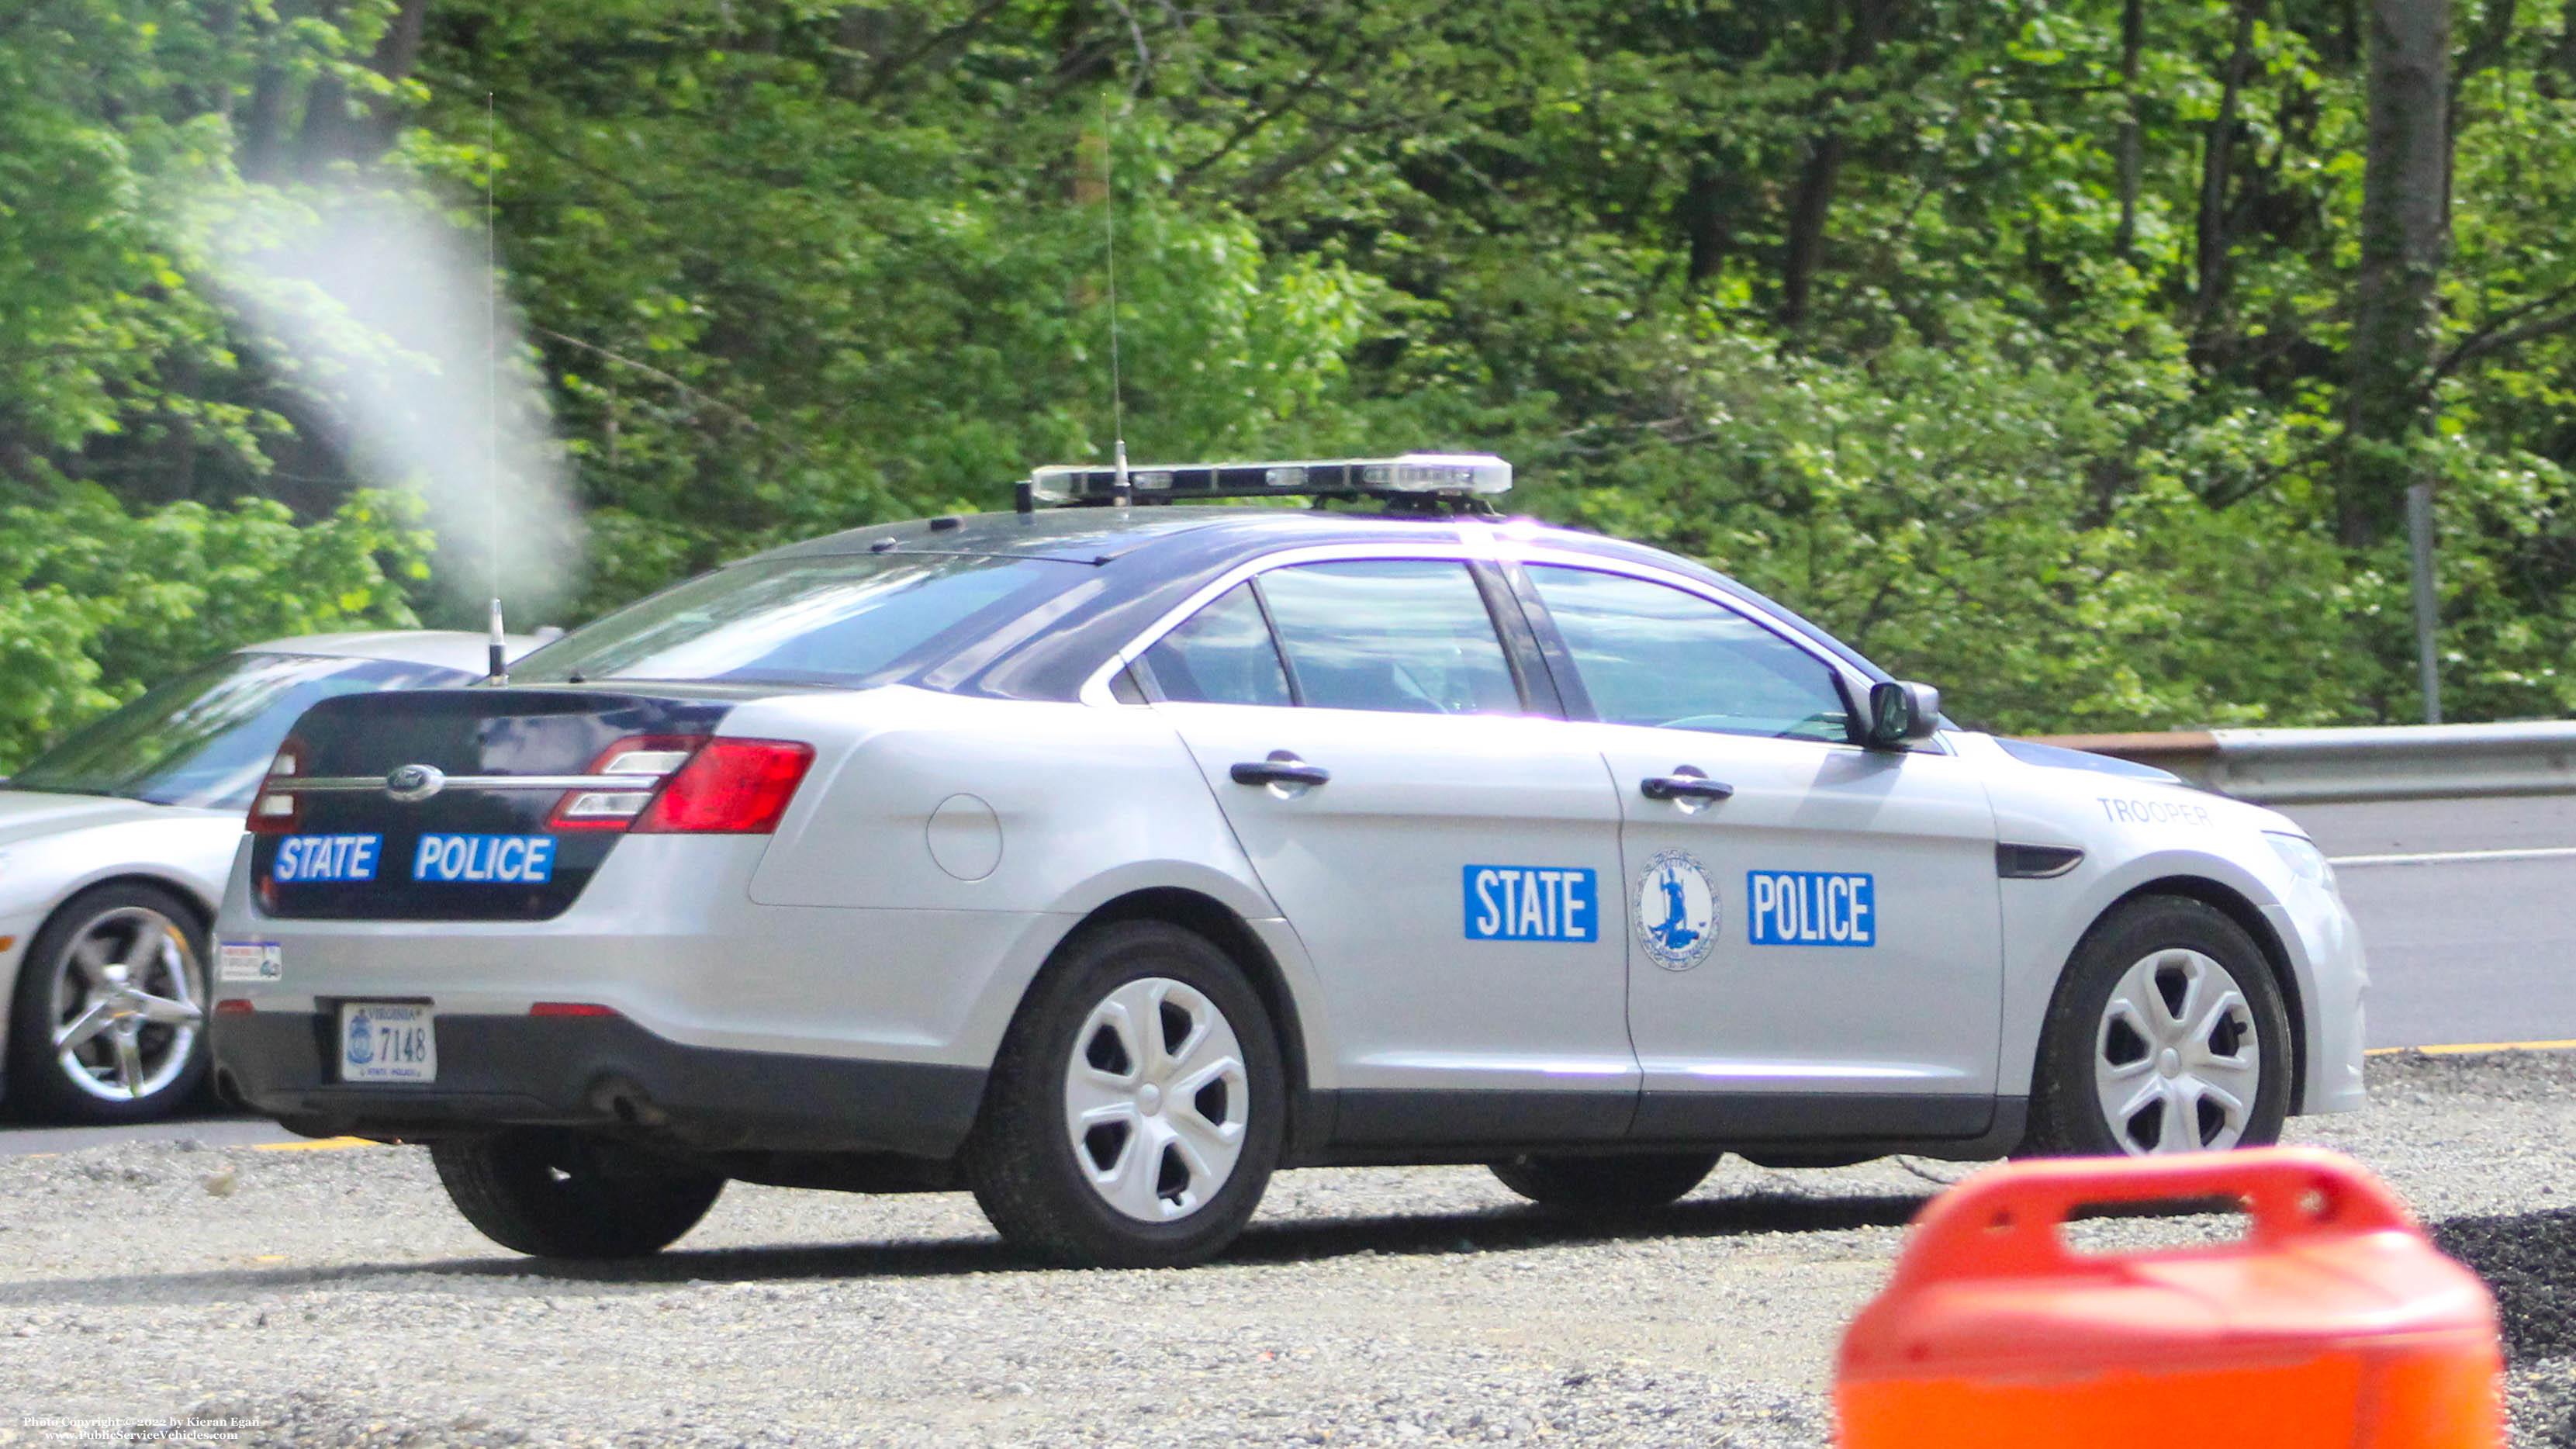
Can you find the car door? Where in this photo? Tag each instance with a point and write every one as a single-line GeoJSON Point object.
{"type": "Point", "coordinates": [1446, 857]}
{"type": "Point", "coordinates": [1815, 945]}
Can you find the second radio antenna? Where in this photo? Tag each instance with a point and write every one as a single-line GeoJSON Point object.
{"type": "Point", "coordinates": [1109, 229]}
{"type": "Point", "coordinates": [498, 655]}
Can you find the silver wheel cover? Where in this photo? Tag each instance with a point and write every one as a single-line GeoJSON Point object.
{"type": "Point", "coordinates": [2177, 1064]}
{"type": "Point", "coordinates": [126, 1008]}
{"type": "Point", "coordinates": [1156, 1099]}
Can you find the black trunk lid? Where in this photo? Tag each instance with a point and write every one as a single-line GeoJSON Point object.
{"type": "Point", "coordinates": [358, 853]}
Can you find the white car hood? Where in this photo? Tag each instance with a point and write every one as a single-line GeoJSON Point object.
{"type": "Point", "coordinates": [33, 814]}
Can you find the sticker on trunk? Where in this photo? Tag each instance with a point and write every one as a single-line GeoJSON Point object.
{"type": "Point", "coordinates": [302, 858]}
{"type": "Point", "coordinates": [250, 961]}
{"type": "Point", "coordinates": [484, 859]}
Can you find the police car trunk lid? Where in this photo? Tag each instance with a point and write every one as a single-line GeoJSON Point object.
{"type": "Point", "coordinates": [431, 804]}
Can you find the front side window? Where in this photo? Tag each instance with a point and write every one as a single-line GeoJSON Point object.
{"type": "Point", "coordinates": [1403, 635]}
{"type": "Point", "coordinates": [1649, 654]}
{"type": "Point", "coordinates": [830, 620]}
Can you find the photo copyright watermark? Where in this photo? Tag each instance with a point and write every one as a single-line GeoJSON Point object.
{"type": "Point", "coordinates": [63, 1429]}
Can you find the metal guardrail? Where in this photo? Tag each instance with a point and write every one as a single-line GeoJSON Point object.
{"type": "Point", "coordinates": [2377, 762]}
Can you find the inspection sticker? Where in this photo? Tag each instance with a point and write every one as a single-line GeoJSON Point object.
{"type": "Point", "coordinates": [249, 961]}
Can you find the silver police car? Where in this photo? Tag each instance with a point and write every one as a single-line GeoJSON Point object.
{"type": "Point", "coordinates": [1104, 856]}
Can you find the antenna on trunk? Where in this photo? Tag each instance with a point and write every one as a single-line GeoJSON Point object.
{"type": "Point", "coordinates": [499, 654]}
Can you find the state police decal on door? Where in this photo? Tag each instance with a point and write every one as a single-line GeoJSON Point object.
{"type": "Point", "coordinates": [1676, 910]}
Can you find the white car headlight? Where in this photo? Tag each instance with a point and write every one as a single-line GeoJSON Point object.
{"type": "Point", "coordinates": [2303, 858]}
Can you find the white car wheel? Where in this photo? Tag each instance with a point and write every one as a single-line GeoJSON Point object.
{"type": "Point", "coordinates": [2167, 1034]}
{"type": "Point", "coordinates": [2177, 1059]}
{"type": "Point", "coordinates": [1137, 1106]}
{"type": "Point", "coordinates": [1155, 1099]}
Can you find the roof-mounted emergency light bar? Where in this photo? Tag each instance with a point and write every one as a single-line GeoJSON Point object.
{"type": "Point", "coordinates": [1453, 476]}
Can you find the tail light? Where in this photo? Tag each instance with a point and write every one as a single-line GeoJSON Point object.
{"type": "Point", "coordinates": [649, 758]}
{"type": "Point", "coordinates": [277, 809]}
{"type": "Point", "coordinates": [729, 787]}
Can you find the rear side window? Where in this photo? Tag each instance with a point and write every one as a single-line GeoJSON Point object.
{"type": "Point", "coordinates": [831, 620]}
{"type": "Point", "coordinates": [1401, 635]}
{"type": "Point", "coordinates": [1653, 655]}
{"type": "Point", "coordinates": [1223, 654]}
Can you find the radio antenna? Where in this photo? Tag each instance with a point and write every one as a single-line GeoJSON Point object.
{"type": "Point", "coordinates": [1109, 229]}
{"type": "Point", "coordinates": [498, 656]}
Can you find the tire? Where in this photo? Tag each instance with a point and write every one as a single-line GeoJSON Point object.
{"type": "Point", "coordinates": [1606, 1184]}
{"type": "Point", "coordinates": [2167, 1034]}
{"type": "Point", "coordinates": [122, 967]}
{"type": "Point", "coordinates": [1151, 1036]}
{"type": "Point", "coordinates": [558, 1195]}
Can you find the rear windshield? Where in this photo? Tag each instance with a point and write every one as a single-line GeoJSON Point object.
{"type": "Point", "coordinates": [206, 737]}
{"type": "Point", "coordinates": [833, 621]}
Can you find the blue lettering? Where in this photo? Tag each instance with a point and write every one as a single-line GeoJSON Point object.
{"type": "Point", "coordinates": [1502, 902]}
{"type": "Point", "coordinates": [1810, 908]}
{"type": "Point", "coordinates": [527, 859]}
{"type": "Point", "coordinates": [326, 858]}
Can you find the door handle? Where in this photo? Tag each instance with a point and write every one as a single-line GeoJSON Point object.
{"type": "Point", "coordinates": [1282, 768]}
{"type": "Point", "coordinates": [1684, 783]}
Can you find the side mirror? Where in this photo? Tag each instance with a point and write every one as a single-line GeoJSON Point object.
{"type": "Point", "coordinates": [1900, 713]}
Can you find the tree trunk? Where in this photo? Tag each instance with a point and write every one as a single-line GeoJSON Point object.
{"type": "Point", "coordinates": [2133, 34]}
{"type": "Point", "coordinates": [2210, 235]}
{"type": "Point", "coordinates": [2405, 198]}
{"type": "Point", "coordinates": [1811, 206]}
{"type": "Point", "coordinates": [1707, 221]}
{"type": "Point", "coordinates": [263, 124]}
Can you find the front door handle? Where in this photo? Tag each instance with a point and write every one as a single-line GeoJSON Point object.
{"type": "Point", "coordinates": [1684, 783]}
{"type": "Point", "coordinates": [1282, 768]}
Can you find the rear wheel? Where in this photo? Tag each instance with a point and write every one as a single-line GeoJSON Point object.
{"type": "Point", "coordinates": [558, 1195]}
{"type": "Point", "coordinates": [2167, 1034]}
{"type": "Point", "coordinates": [1136, 1107]}
{"type": "Point", "coordinates": [1606, 1184]}
{"type": "Point", "coordinates": [108, 1020]}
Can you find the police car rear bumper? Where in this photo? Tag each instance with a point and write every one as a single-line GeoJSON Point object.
{"type": "Point", "coordinates": [602, 1072]}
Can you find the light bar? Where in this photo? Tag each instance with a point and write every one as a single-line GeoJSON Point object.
{"type": "Point", "coordinates": [1463, 474]}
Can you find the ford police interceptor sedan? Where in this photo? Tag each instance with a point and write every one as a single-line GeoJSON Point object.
{"type": "Point", "coordinates": [1103, 859]}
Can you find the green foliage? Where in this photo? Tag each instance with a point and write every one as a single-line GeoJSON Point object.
{"type": "Point", "coordinates": [97, 603]}
{"type": "Point", "coordinates": [1863, 301]}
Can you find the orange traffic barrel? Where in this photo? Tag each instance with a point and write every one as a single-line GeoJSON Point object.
{"type": "Point", "coordinates": [2332, 1321]}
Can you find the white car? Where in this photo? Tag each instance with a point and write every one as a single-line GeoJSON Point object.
{"type": "Point", "coordinates": [114, 845]}
{"type": "Point", "coordinates": [1104, 859]}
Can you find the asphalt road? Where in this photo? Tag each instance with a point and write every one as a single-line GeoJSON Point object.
{"type": "Point", "coordinates": [2469, 941]}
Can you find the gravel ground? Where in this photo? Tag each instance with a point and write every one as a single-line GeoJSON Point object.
{"type": "Point", "coordinates": [333, 1298]}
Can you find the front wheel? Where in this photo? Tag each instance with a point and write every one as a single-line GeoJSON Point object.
{"type": "Point", "coordinates": [1137, 1105]}
{"type": "Point", "coordinates": [559, 1195]}
{"type": "Point", "coordinates": [1605, 1184]}
{"type": "Point", "coordinates": [2167, 1034]}
{"type": "Point", "coordinates": [108, 1022]}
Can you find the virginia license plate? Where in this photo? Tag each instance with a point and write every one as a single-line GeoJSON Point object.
{"type": "Point", "coordinates": [388, 1041]}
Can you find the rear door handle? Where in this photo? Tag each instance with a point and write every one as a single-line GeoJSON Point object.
{"type": "Point", "coordinates": [1282, 768]}
{"type": "Point", "coordinates": [1684, 783]}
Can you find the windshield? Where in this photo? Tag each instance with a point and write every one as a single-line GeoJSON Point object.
{"type": "Point", "coordinates": [206, 737]}
{"type": "Point", "coordinates": [835, 621]}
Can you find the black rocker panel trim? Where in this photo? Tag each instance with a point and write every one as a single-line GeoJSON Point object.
{"type": "Point", "coordinates": [601, 1072]}
{"type": "Point", "coordinates": [1727, 1117]}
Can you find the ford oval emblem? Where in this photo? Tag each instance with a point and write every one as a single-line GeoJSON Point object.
{"type": "Point", "coordinates": [415, 782]}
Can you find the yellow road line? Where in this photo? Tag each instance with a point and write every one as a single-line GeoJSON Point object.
{"type": "Point", "coordinates": [326, 1144]}
{"type": "Point", "coordinates": [2459, 1048]}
